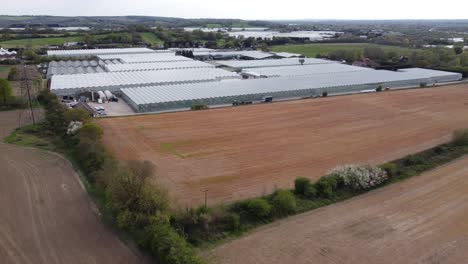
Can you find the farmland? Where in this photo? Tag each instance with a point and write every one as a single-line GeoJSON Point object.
{"type": "Point", "coordinates": [421, 220]}
{"type": "Point", "coordinates": [236, 153]}
{"type": "Point", "coordinates": [311, 50]}
{"type": "Point", "coordinates": [46, 214]}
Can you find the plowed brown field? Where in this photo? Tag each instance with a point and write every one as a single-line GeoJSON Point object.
{"type": "Point", "coordinates": [421, 220]}
{"type": "Point", "coordinates": [235, 153]}
{"type": "Point", "coordinates": [46, 217]}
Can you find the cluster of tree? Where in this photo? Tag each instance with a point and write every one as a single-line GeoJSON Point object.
{"type": "Point", "coordinates": [7, 99]}
{"type": "Point", "coordinates": [137, 206]}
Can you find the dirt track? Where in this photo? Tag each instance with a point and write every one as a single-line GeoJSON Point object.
{"type": "Point", "coordinates": [421, 220]}
{"type": "Point", "coordinates": [247, 151]}
{"type": "Point", "coordinates": [46, 217]}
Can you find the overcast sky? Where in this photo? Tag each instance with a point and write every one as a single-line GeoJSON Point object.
{"type": "Point", "coordinates": [245, 9]}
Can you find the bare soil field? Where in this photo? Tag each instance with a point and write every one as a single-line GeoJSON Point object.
{"type": "Point", "coordinates": [46, 216]}
{"type": "Point", "coordinates": [241, 152]}
{"type": "Point", "coordinates": [421, 220]}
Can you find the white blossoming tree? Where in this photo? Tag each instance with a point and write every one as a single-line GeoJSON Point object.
{"type": "Point", "coordinates": [73, 127]}
{"type": "Point", "coordinates": [360, 177]}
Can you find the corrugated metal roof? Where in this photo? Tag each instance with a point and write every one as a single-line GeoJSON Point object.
{"type": "Point", "coordinates": [141, 58]}
{"type": "Point", "coordinates": [119, 80]}
{"type": "Point", "coordinates": [94, 52]}
{"type": "Point", "coordinates": [305, 70]}
{"type": "Point", "coordinates": [243, 64]}
{"type": "Point", "coordinates": [158, 66]}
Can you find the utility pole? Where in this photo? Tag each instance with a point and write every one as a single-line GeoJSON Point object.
{"type": "Point", "coordinates": [206, 197]}
{"type": "Point", "coordinates": [25, 82]}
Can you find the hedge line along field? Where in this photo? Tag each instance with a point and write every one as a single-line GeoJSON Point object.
{"type": "Point", "coordinates": [242, 152]}
{"type": "Point", "coordinates": [46, 216]}
{"type": "Point", "coordinates": [420, 220]}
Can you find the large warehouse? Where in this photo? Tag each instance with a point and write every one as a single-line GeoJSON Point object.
{"type": "Point", "coordinates": [114, 81]}
{"type": "Point", "coordinates": [171, 97]}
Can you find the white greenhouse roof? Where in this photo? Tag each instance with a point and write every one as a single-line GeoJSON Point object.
{"type": "Point", "coordinates": [287, 54]}
{"type": "Point", "coordinates": [233, 88]}
{"type": "Point", "coordinates": [117, 80]}
{"type": "Point", "coordinates": [243, 64]}
{"type": "Point", "coordinates": [254, 54]}
{"type": "Point", "coordinates": [158, 66]}
{"type": "Point", "coordinates": [304, 70]}
{"type": "Point", "coordinates": [95, 52]}
{"type": "Point", "coordinates": [141, 58]}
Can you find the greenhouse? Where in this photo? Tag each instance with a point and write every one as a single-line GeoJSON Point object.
{"type": "Point", "coordinates": [182, 96]}
{"type": "Point", "coordinates": [141, 58]}
{"type": "Point", "coordinates": [245, 64]}
{"type": "Point", "coordinates": [303, 70]}
{"type": "Point", "coordinates": [158, 66]}
{"type": "Point", "coordinates": [95, 52]}
{"type": "Point", "coordinates": [114, 81]}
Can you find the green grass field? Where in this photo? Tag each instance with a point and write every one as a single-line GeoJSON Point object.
{"type": "Point", "coordinates": [4, 71]}
{"type": "Point", "coordinates": [150, 38]}
{"type": "Point", "coordinates": [38, 42]}
{"type": "Point", "coordinates": [311, 50]}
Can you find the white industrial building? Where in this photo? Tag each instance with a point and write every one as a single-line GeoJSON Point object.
{"type": "Point", "coordinates": [180, 96]}
{"type": "Point", "coordinates": [114, 81]}
{"type": "Point", "coordinates": [95, 52]}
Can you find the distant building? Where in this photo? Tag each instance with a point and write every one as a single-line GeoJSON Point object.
{"type": "Point", "coordinates": [7, 55]}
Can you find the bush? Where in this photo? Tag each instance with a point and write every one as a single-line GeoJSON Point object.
{"type": "Point", "coordinates": [283, 202]}
{"type": "Point", "coordinates": [325, 94]}
{"type": "Point", "coordinates": [422, 85]}
{"type": "Point", "coordinates": [360, 177]}
{"type": "Point", "coordinates": [390, 168]}
{"type": "Point", "coordinates": [199, 107]}
{"type": "Point", "coordinates": [300, 185]}
{"type": "Point", "coordinates": [13, 75]}
{"type": "Point", "coordinates": [80, 115]}
{"type": "Point", "coordinates": [167, 246]}
{"type": "Point", "coordinates": [379, 88]}
{"type": "Point", "coordinates": [460, 137]}
{"type": "Point", "coordinates": [232, 221]}
{"type": "Point", "coordinates": [258, 207]}
{"type": "Point", "coordinates": [310, 191]}
{"type": "Point", "coordinates": [326, 186]}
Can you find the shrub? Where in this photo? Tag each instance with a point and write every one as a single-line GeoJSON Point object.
{"type": "Point", "coordinates": [232, 221]}
{"type": "Point", "coordinates": [422, 85]}
{"type": "Point", "coordinates": [310, 191]}
{"type": "Point", "coordinates": [325, 94]}
{"type": "Point", "coordinates": [13, 75]}
{"type": "Point", "coordinates": [360, 177]}
{"type": "Point", "coordinates": [283, 202]}
{"type": "Point", "coordinates": [167, 246]}
{"type": "Point", "coordinates": [379, 88]}
{"type": "Point", "coordinates": [199, 107]}
{"type": "Point", "coordinates": [258, 207]}
{"type": "Point", "coordinates": [80, 115]}
{"type": "Point", "coordinates": [326, 186]}
{"type": "Point", "coordinates": [90, 131]}
{"type": "Point", "coordinates": [460, 137]}
{"type": "Point", "coordinates": [300, 185]}
{"type": "Point", "coordinates": [390, 168]}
